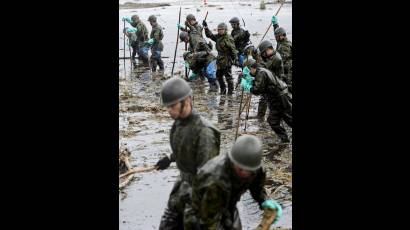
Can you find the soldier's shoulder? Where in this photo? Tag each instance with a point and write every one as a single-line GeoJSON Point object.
{"type": "Point", "coordinates": [213, 169]}
{"type": "Point", "coordinates": [207, 124]}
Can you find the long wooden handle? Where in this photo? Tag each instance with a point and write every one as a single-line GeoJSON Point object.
{"type": "Point", "coordinates": [267, 219]}
{"type": "Point", "coordinates": [138, 170]}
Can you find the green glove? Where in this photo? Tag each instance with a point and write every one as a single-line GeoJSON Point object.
{"type": "Point", "coordinates": [192, 76]}
{"type": "Point", "coordinates": [246, 85]}
{"type": "Point", "coordinates": [186, 64]}
{"type": "Point", "coordinates": [273, 205]}
{"type": "Point", "coordinates": [132, 30]}
{"type": "Point", "coordinates": [151, 41]}
{"type": "Point", "coordinates": [246, 71]}
{"type": "Point", "coordinates": [179, 26]}
{"type": "Point", "coordinates": [274, 20]}
{"type": "Point", "coordinates": [127, 19]}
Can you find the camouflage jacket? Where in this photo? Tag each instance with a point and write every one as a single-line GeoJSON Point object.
{"type": "Point", "coordinates": [201, 57]}
{"type": "Point", "coordinates": [193, 142]}
{"type": "Point", "coordinates": [225, 45]}
{"type": "Point", "coordinates": [216, 190]}
{"type": "Point", "coordinates": [241, 38]}
{"type": "Point", "coordinates": [275, 64]}
{"type": "Point", "coordinates": [285, 50]}
{"type": "Point", "coordinates": [194, 34]}
{"type": "Point", "coordinates": [158, 35]}
{"type": "Point", "coordinates": [142, 31]}
{"type": "Point", "coordinates": [269, 85]}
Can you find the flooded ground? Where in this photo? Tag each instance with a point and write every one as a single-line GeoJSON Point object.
{"type": "Point", "coordinates": [144, 126]}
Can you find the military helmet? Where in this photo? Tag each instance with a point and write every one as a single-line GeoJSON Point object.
{"type": "Point", "coordinates": [190, 17]}
{"type": "Point", "coordinates": [152, 18]}
{"type": "Point", "coordinates": [264, 45]}
{"type": "Point", "coordinates": [250, 62]}
{"type": "Point", "coordinates": [174, 90]}
{"type": "Point", "coordinates": [246, 153]}
{"type": "Point", "coordinates": [183, 35]}
{"type": "Point", "coordinates": [222, 26]}
{"type": "Point", "coordinates": [280, 31]}
{"type": "Point", "coordinates": [234, 20]}
{"type": "Point", "coordinates": [249, 47]}
{"type": "Point", "coordinates": [135, 18]}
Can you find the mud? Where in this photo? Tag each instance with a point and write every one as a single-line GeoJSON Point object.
{"type": "Point", "coordinates": [144, 125]}
{"type": "Point", "coordinates": [131, 5]}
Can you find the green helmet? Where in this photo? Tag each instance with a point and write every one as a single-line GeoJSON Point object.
{"type": "Point", "coordinates": [264, 45]}
{"type": "Point", "coordinates": [190, 17]}
{"type": "Point", "coordinates": [280, 31]}
{"type": "Point", "coordinates": [234, 20]}
{"type": "Point", "coordinates": [152, 18]}
{"type": "Point", "coordinates": [135, 18]}
{"type": "Point", "coordinates": [183, 36]}
{"type": "Point", "coordinates": [174, 90]}
{"type": "Point", "coordinates": [246, 153]}
{"type": "Point", "coordinates": [222, 26]}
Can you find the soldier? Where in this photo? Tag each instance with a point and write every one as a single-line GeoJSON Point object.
{"type": "Point", "coordinates": [284, 47]}
{"type": "Point", "coordinates": [227, 55]}
{"type": "Point", "coordinates": [271, 60]}
{"type": "Point", "coordinates": [276, 93]}
{"type": "Point", "coordinates": [241, 38]}
{"type": "Point", "coordinates": [193, 29]}
{"type": "Point", "coordinates": [137, 43]}
{"type": "Point", "coordinates": [193, 142]}
{"type": "Point", "coordinates": [220, 184]}
{"type": "Point", "coordinates": [155, 42]}
{"type": "Point", "coordinates": [201, 61]}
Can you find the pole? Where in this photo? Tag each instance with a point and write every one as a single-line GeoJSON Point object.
{"type": "Point", "coordinates": [123, 38]}
{"type": "Point", "coordinates": [176, 45]}
{"type": "Point", "coordinates": [129, 48]}
{"type": "Point", "coordinates": [239, 115]}
{"type": "Point", "coordinates": [186, 69]}
{"type": "Point", "coordinates": [271, 22]}
{"type": "Point", "coordinates": [247, 110]}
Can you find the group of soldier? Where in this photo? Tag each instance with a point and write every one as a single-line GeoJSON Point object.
{"type": "Point", "coordinates": [211, 183]}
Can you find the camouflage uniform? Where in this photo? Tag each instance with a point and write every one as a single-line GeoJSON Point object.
{"type": "Point", "coordinates": [193, 142]}
{"type": "Point", "coordinates": [138, 43]}
{"type": "Point", "coordinates": [284, 48]}
{"type": "Point", "coordinates": [194, 33]}
{"type": "Point", "coordinates": [241, 38]}
{"type": "Point", "coordinates": [278, 98]}
{"type": "Point", "coordinates": [273, 63]}
{"type": "Point", "coordinates": [227, 55]}
{"type": "Point", "coordinates": [157, 47]}
{"type": "Point", "coordinates": [215, 192]}
{"type": "Point", "coordinates": [203, 62]}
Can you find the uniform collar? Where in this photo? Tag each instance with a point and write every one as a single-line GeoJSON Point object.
{"type": "Point", "coordinates": [189, 118]}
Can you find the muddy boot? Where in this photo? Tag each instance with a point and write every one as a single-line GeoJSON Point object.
{"type": "Point", "coordinates": [230, 87]}
{"type": "Point", "coordinates": [161, 65]}
{"type": "Point", "coordinates": [223, 90]}
{"type": "Point", "coordinates": [213, 87]}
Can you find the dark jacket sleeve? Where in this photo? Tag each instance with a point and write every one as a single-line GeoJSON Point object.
{"type": "Point", "coordinates": [257, 188]}
{"type": "Point", "coordinates": [259, 84]}
{"type": "Point", "coordinates": [209, 34]}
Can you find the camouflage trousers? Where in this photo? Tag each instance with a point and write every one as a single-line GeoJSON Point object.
{"type": "Point", "coordinates": [172, 219]}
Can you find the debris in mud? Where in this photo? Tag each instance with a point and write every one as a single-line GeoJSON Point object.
{"type": "Point", "coordinates": [256, 34]}
{"type": "Point", "coordinates": [131, 5]}
{"type": "Point", "coordinates": [139, 108]}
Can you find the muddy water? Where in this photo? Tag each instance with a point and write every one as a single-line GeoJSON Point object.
{"type": "Point", "coordinates": [144, 125]}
